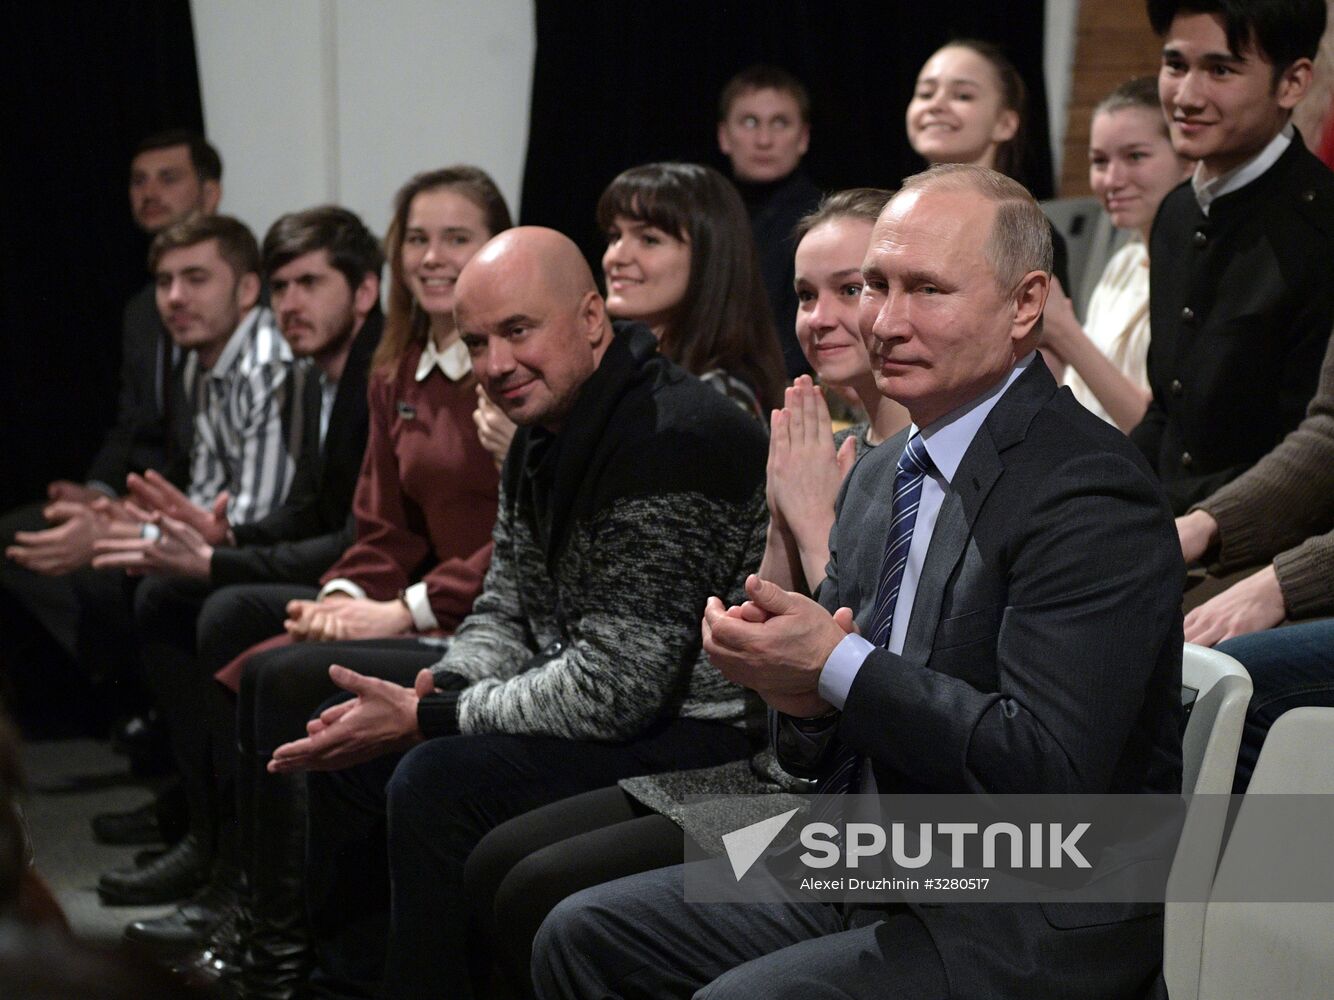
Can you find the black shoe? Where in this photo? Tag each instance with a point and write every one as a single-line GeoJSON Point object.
{"type": "Point", "coordinates": [218, 962]}
{"type": "Point", "coordinates": [190, 926]}
{"type": "Point", "coordinates": [175, 875]}
{"type": "Point", "coordinates": [138, 826]}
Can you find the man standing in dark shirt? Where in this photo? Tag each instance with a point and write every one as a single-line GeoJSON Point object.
{"type": "Point", "coordinates": [764, 129]}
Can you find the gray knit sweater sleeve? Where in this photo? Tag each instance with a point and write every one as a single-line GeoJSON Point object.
{"type": "Point", "coordinates": [494, 640]}
{"type": "Point", "coordinates": [645, 566]}
{"type": "Point", "coordinates": [1282, 509]}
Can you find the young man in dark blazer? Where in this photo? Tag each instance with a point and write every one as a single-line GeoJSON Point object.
{"type": "Point", "coordinates": [991, 596]}
{"type": "Point", "coordinates": [1241, 299]}
{"type": "Point", "coordinates": [173, 175]}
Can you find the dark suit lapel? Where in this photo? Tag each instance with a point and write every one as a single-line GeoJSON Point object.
{"type": "Point", "coordinates": [973, 480]}
{"type": "Point", "coordinates": [977, 473]}
{"type": "Point", "coordinates": [348, 415]}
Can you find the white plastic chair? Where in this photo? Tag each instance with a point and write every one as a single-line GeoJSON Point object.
{"type": "Point", "coordinates": [1208, 762]}
{"type": "Point", "coordinates": [1276, 949]}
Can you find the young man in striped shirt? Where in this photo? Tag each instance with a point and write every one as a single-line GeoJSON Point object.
{"type": "Point", "coordinates": [240, 377]}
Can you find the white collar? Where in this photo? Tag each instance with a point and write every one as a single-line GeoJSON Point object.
{"type": "Point", "coordinates": [454, 360]}
{"type": "Point", "coordinates": [1206, 192]}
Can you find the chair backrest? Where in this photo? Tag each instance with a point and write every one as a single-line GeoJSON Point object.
{"type": "Point", "coordinates": [1213, 735]}
{"type": "Point", "coordinates": [1209, 746]}
{"type": "Point", "coordinates": [1103, 245]}
{"type": "Point", "coordinates": [1090, 242]}
{"type": "Point", "coordinates": [1276, 949]}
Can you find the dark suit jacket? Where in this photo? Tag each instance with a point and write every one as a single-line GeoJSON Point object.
{"type": "Point", "coordinates": [1043, 655]}
{"type": "Point", "coordinates": [139, 440]}
{"type": "Point", "coordinates": [1240, 305]}
{"type": "Point", "coordinates": [301, 539]}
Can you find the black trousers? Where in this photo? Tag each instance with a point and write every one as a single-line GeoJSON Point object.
{"type": "Point", "coordinates": [187, 632]}
{"type": "Point", "coordinates": [280, 690]}
{"type": "Point", "coordinates": [525, 866]}
{"type": "Point", "coordinates": [70, 656]}
{"type": "Point", "coordinates": [389, 840]}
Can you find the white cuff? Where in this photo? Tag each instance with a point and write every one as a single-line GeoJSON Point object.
{"type": "Point", "coordinates": [840, 670]}
{"type": "Point", "coordinates": [419, 604]}
{"type": "Point", "coordinates": [341, 586]}
{"type": "Point", "coordinates": [149, 532]}
{"type": "Point", "coordinates": [101, 487]}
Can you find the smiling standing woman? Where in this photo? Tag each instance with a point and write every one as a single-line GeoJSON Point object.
{"type": "Point", "coordinates": [1132, 167]}
{"type": "Point", "coordinates": [970, 106]}
{"type": "Point", "coordinates": [681, 259]}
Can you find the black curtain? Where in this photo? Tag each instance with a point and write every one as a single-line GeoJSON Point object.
{"type": "Point", "coordinates": [616, 84]}
{"type": "Point", "coordinates": [83, 83]}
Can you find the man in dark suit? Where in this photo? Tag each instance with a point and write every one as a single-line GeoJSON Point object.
{"type": "Point", "coordinates": [173, 175]}
{"type": "Point", "coordinates": [323, 270]}
{"type": "Point", "coordinates": [1000, 615]}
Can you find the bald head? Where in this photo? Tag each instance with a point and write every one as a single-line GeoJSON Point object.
{"type": "Point", "coordinates": [531, 317]}
{"type": "Point", "coordinates": [536, 255]}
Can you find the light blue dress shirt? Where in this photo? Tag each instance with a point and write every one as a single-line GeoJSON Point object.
{"type": "Point", "coordinates": [946, 440]}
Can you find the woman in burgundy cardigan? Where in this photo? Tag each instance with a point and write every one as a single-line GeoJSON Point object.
{"type": "Point", "coordinates": [424, 509]}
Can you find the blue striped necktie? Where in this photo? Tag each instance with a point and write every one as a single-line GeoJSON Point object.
{"type": "Point", "coordinates": [914, 464]}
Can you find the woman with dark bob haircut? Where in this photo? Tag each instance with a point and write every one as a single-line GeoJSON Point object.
{"type": "Point", "coordinates": [681, 259]}
{"type": "Point", "coordinates": [721, 324]}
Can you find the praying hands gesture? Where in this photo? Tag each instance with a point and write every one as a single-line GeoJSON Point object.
{"type": "Point", "coordinates": [804, 476]}
{"type": "Point", "coordinates": [382, 718]}
{"type": "Point", "coordinates": [337, 617]}
{"type": "Point", "coordinates": [154, 492]}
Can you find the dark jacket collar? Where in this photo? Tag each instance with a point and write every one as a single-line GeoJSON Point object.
{"type": "Point", "coordinates": [1287, 172]}
{"type": "Point", "coordinates": [553, 469]}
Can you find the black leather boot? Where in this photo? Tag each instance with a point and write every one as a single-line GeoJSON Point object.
{"type": "Point", "coordinates": [174, 875]}
{"type": "Point", "coordinates": [190, 927]}
{"type": "Point", "coordinates": [276, 957]}
{"type": "Point", "coordinates": [218, 963]}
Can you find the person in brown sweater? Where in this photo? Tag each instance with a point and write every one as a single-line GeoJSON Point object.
{"type": "Point", "coordinates": [1279, 514]}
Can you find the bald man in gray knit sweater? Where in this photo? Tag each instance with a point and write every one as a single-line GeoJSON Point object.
{"type": "Point", "coordinates": [632, 491]}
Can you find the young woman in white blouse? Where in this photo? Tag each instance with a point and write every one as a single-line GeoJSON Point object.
{"type": "Point", "coordinates": [1132, 167]}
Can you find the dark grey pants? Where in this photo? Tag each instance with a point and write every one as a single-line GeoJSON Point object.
{"type": "Point", "coordinates": [638, 937]}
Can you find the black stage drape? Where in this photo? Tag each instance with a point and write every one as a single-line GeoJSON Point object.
{"type": "Point", "coordinates": [616, 84]}
{"type": "Point", "coordinates": [83, 82]}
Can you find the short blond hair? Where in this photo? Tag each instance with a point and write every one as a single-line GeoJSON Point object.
{"type": "Point", "coordinates": [1020, 239]}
